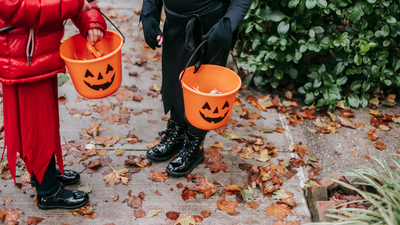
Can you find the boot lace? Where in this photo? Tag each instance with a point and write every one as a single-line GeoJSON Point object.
{"type": "Point", "coordinates": [168, 135]}
{"type": "Point", "coordinates": [188, 146]}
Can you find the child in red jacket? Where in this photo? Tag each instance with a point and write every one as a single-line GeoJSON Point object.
{"type": "Point", "coordinates": [29, 64]}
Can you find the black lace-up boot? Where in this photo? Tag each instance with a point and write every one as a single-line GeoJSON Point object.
{"type": "Point", "coordinates": [169, 144]}
{"type": "Point", "coordinates": [189, 157]}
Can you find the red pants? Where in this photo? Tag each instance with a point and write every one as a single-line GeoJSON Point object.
{"type": "Point", "coordinates": [31, 125]}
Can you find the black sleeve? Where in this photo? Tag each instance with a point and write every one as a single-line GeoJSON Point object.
{"type": "Point", "coordinates": [237, 11]}
{"type": "Point", "coordinates": [151, 7]}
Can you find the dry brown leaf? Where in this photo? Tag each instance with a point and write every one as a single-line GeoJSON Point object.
{"type": "Point", "coordinates": [188, 193]}
{"type": "Point", "coordinates": [280, 211]}
{"type": "Point", "coordinates": [173, 215]}
{"type": "Point", "coordinates": [347, 122]}
{"type": "Point", "coordinates": [115, 197]}
{"type": "Point", "coordinates": [354, 154]}
{"type": "Point", "coordinates": [213, 153]}
{"type": "Point", "coordinates": [254, 205]}
{"type": "Point", "coordinates": [380, 145]}
{"type": "Point", "coordinates": [34, 220]}
{"type": "Point", "coordinates": [217, 145]}
{"type": "Point", "coordinates": [116, 176]}
{"type": "Point", "coordinates": [139, 213]}
{"type": "Point", "coordinates": [185, 220]}
{"type": "Point", "coordinates": [205, 213]}
{"type": "Point", "coordinates": [301, 150]}
{"type": "Point", "coordinates": [216, 166]}
{"type": "Point", "coordinates": [205, 187]}
{"type": "Point", "coordinates": [372, 136]}
{"type": "Point", "coordinates": [152, 144]}
{"type": "Point", "coordinates": [123, 95]}
{"type": "Point", "coordinates": [158, 177]}
{"type": "Point", "coordinates": [226, 206]}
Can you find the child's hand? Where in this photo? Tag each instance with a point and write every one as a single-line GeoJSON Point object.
{"type": "Point", "coordinates": [95, 35]}
{"type": "Point", "coordinates": [86, 6]}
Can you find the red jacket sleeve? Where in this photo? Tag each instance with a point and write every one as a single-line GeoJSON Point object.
{"type": "Point", "coordinates": [37, 13]}
{"type": "Point", "coordinates": [89, 19]}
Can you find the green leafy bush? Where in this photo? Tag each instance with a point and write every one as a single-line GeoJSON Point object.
{"type": "Point", "coordinates": [344, 49]}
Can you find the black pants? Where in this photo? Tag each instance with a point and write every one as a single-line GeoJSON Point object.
{"type": "Point", "coordinates": [176, 55]}
{"type": "Point", "coordinates": [49, 185]}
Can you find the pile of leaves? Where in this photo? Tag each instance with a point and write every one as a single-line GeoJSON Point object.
{"type": "Point", "coordinates": [344, 50]}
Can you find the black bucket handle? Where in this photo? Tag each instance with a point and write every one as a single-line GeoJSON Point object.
{"type": "Point", "coordinates": [108, 20]}
{"type": "Point", "coordinates": [194, 53]}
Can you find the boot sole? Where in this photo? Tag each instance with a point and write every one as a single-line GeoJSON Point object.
{"type": "Point", "coordinates": [161, 159]}
{"type": "Point", "coordinates": [183, 174]}
{"type": "Point", "coordinates": [46, 207]}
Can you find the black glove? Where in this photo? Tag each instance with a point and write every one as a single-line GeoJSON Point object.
{"type": "Point", "coordinates": [220, 34]}
{"type": "Point", "coordinates": [151, 29]}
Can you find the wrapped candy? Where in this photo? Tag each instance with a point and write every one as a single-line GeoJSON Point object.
{"type": "Point", "coordinates": [96, 53]}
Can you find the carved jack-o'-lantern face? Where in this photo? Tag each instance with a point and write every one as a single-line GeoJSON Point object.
{"type": "Point", "coordinates": [214, 115]}
{"type": "Point", "coordinates": [98, 83]}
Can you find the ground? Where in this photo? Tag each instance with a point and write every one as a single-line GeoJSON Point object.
{"type": "Point", "coordinates": [146, 125]}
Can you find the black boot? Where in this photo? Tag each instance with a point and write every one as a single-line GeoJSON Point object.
{"type": "Point", "coordinates": [169, 145]}
{"type": "Point", "coordinates": [63, 199]}
{"type": "Point", "coordinates": [189, 157]}
{"type": "Point", "coordinates": [70, 177]}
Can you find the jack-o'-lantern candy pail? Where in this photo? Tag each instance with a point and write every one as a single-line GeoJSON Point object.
{"type": "Point", "coordinates": [94, 77]}
{"type": "Point", "coordinates": [209, 95]}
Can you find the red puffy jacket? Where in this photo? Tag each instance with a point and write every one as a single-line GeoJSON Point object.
{"type": "Point", "coordinates": [39, 22]}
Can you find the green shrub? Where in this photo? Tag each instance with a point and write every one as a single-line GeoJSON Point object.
{"type": "Point", "coordinates": [344, 49]}
{"type": "Point", "coordinates": [385, 204]}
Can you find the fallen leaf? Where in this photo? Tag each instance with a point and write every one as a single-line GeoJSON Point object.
{"type": "Point", "coordinates": [264, 156]}
{"type": "Point", "coordinates": [280, 130]}
{"type": "Point", "coordinates": [217, 144]}
{"type": "Point", "coordinates": [10, 216]}
{"type": "Point", "coordinates": [188, 193]}
{"type": "Point", "coordinates": [119, 152]}
{"type": "Point", "coordinates": [158, 177]}
{"type": "Point", "coordinates": [380, 145]}
{"type": "Point", "coordinates": [153, 212]}
{"type": "Point", "coordinates": [361, 125]}
{"type": "Point", "coordinates": [384, 127]}
{"type": "Point", "coordinates": [205, 187]}
{"type": "Point", "coordinates": [391, 98]}
{"type": "Point", "coordinates": [288, 94]}
{"type": "Point", "coordinates": [173, 215]}
{"type": "Point", "coordinates": [287, 201]}
{"type": "Point", "coordinates": [347, 122]}
{"type": "Point", "coordinates": [137, 98]}
{"type": "Point", "coordinates": [34, 220]}
{"type": "Point", "coordinates": [123, 95]}
{"type": "Point", "coordinates": [216, 166]}
{"type": "Point", "coordinates": [354, 154]}
{"type": "Point", "coordinates": [205, 213]}
{"type": "Point", "coordinates": [116, 176]}
{"type": "Point", "coordinates": [185, 220]}
{"type": "Point", "coordinates": [372, 136]}
{"type": "Point", "coordinates": [280, 211]}
{"type": "Point", "coordinates": [101, 152]}
{"type": "Point", "coordinates": [7, 200]}
{"type": "Point", "coordinates": [86, 188]}
{"type": "Point", "coordinates": [301, 150]}
{"type": "Point", "coordinates": [266, 130]}
{"type": "Point", "coordinates": [231, 136]}
{"type": "Point", "coordinates": [115, 197]}
{"type": "Point", "coordinates": [213, 153]}
{"type": "Point", "coordinates": [247, 153]}
{"type": "Point", "coordinates": [251, 124]}
{"type": "Point", "coordinates": [140, 213]}
{"type": "Point", "coordinates": [281, 194]}
{"type": "Point", "coordinates": [318, 122]}
{"type": "Point", "coordinates": [254, 205]}
{"type": "Point", "coordinates": [226, 206]}
{"type": "Point", "coordinates": [152, 144]}
{"type": "Point", "coordinates": [155, 88]}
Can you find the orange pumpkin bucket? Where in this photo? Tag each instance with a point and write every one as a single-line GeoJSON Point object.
{"type": "Point", "coordinates": [204, 110]}
{"type": "Point", "coordinates": [94, 77]}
